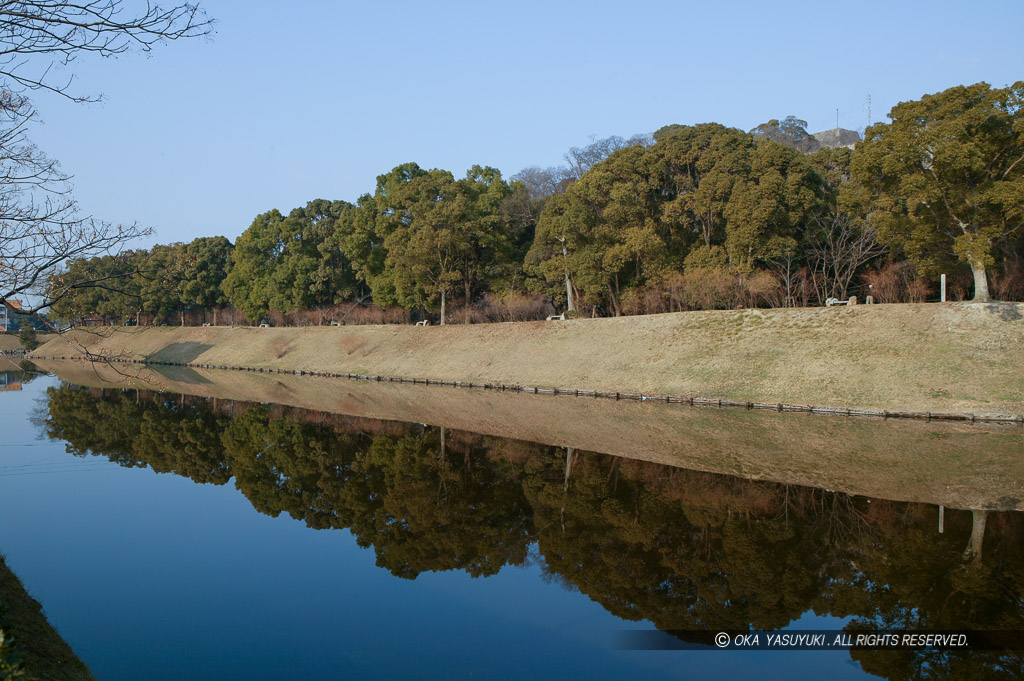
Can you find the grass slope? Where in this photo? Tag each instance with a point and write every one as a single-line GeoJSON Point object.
{"type": "Point", "coordinates": [44, 654]}
{"type": "Point", "coordinates": [927, 357]}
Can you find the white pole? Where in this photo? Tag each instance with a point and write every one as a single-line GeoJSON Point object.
{"type": "Point", "coordinates": [942, 279]}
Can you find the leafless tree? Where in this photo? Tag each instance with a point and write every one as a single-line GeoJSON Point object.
{"type": "Point", "coordinates": [37, 37]}
{"type": "Point", "coordinates": [41, 226]}
{"type": "Point", "coordinates": [836, 249]}
{"type": "Point", "coordinates": [786, 267]}
{"type": "Point", "coordinates": [543, 182]}
{"type": "Point", "coordinates": [582, 159]}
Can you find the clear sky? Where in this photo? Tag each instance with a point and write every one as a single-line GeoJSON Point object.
{"type": "Point", "coordinates": [289, 102]}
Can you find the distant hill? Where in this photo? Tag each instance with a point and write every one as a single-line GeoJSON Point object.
{"type": "Point", "coordinates": [837, 137]}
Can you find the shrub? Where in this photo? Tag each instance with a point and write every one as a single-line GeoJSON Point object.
{"type": "Point", "coordinates": [27, 336]}
{"type": "Point", "coordinates": [899, 283]}
{"type": "Point", "coordinates": [1008, 284]}
{"type": "Point", "coordinates": [761, 288]}
{"type": "Point", "coordinates": [917, 291]}
{"type": "Point", "coordinates": [883, 285]}
{"type": "Point", "coordinates": [515, 308]}
{"type": "Point", "coordinates": [710, 289]}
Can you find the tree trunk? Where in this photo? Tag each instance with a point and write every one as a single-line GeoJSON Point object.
{"type": "Point", "coordinates": [973, 550]}
{"type": "Point", "coordinates": [614, 300]}
{"type": "Point", "coordinates": [442, 306]}
{"type": "Point", "coordinates": [568, 466]}
{"type": "Point", "coordinates": [980, 284]}
{"type": "Point", "coordinates": [183, 316]}
{"type": "Point", "coordinates": [568, 294]}
{"type": "Point", "coordinates": [215, 316]}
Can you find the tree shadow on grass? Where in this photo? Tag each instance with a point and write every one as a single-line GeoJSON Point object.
{"type": "Point", "coordinates": [179, 352]}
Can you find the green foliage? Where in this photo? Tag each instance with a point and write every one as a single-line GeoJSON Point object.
{"type": "Point", "coordinates": [104, 287]}
{"type": "Point", "coordinates": [299, 262]}
{"type": "Point", "coordinates": [158, 283]}
{"type": "Point", "coordinates": [770, 205]}
{"type": "Point", "coordinates": [27, 336]}
{"type": "Point", "coordinates": [791, 132]}
{"type": "Point", "coordinates": [942, 184]}
{"type": "Point", "coordinates": [946, 175]}
{"type": "Point", "coordinates": [205, 265]}
{"type": "Point", "coordinates": [424, 234]}
{"type": "Point", "coordinates": [632, 219]}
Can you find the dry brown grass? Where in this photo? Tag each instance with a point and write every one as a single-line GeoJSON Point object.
{"type": "Point", "coordinates": [9, 341]}
{"type": "Point", "coordinates": [924, 357]}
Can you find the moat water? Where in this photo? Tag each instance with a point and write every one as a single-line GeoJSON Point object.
{"type": "Point", "coordinates": [178, 537]}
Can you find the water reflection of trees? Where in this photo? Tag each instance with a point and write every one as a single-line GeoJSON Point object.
{"type": "Point", "coordinates": [683, 549]}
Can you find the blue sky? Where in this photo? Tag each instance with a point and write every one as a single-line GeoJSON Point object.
{"type": "Point", "coordinates": [288, 102]}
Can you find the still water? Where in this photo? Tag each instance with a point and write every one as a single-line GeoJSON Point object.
{"type": "Point", "coordinates": [178, 537]}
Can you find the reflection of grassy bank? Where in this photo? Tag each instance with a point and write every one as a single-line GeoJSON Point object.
{"type": "Point", "coordinates": [44, 654]}
{"type": "Point", "coordinates": [937, 358]}
{"type": "Point", "coordinates": [956, 465]}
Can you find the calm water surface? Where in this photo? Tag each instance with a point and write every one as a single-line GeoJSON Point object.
{"type": "Point", "coordinates": [173, 537]}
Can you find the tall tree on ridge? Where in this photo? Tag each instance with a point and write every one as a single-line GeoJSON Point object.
{"type": "Point", "coordinates": [947, 176]}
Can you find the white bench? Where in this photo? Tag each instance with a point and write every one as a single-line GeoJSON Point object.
{"type": "Point", "coordinates": [556, 317]}
{"type": "Point", "coordinates": [425, 322]}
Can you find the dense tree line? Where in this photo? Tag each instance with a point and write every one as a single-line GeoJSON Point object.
{"type": "Point", "coordinates": [693, 217]}
{"type": "Point", "coordinates": [685, 550]}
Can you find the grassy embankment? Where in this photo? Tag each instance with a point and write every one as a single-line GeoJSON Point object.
{"type": "Point", "coordinates": [44, 654]}
{"type": "Point", "coordinates": [953, 357]}
{"type": "Point", "coordinates": [10, 342]}
{"type": "Point", "coordinates": [957, 465]}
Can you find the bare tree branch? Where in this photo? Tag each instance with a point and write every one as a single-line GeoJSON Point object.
{"type": "Point", "coordinates": [65, 30]}
{"type": "Point", "coordinates": [41, 226]}
{"type": "Point", "coordinates": [836, 250]}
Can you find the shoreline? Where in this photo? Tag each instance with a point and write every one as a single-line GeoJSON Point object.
{"type": "Point", "coordinates": [950, 360]}
{"type": "Point", "coordinates": [907, 460]}
{"type": "Point", "coordinates": [687, 400]}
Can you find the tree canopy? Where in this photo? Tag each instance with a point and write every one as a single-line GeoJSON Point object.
{"type": "Point", "coordinates": [947, 176]}
{"type": "Point", "coordinates": [691, 217]}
